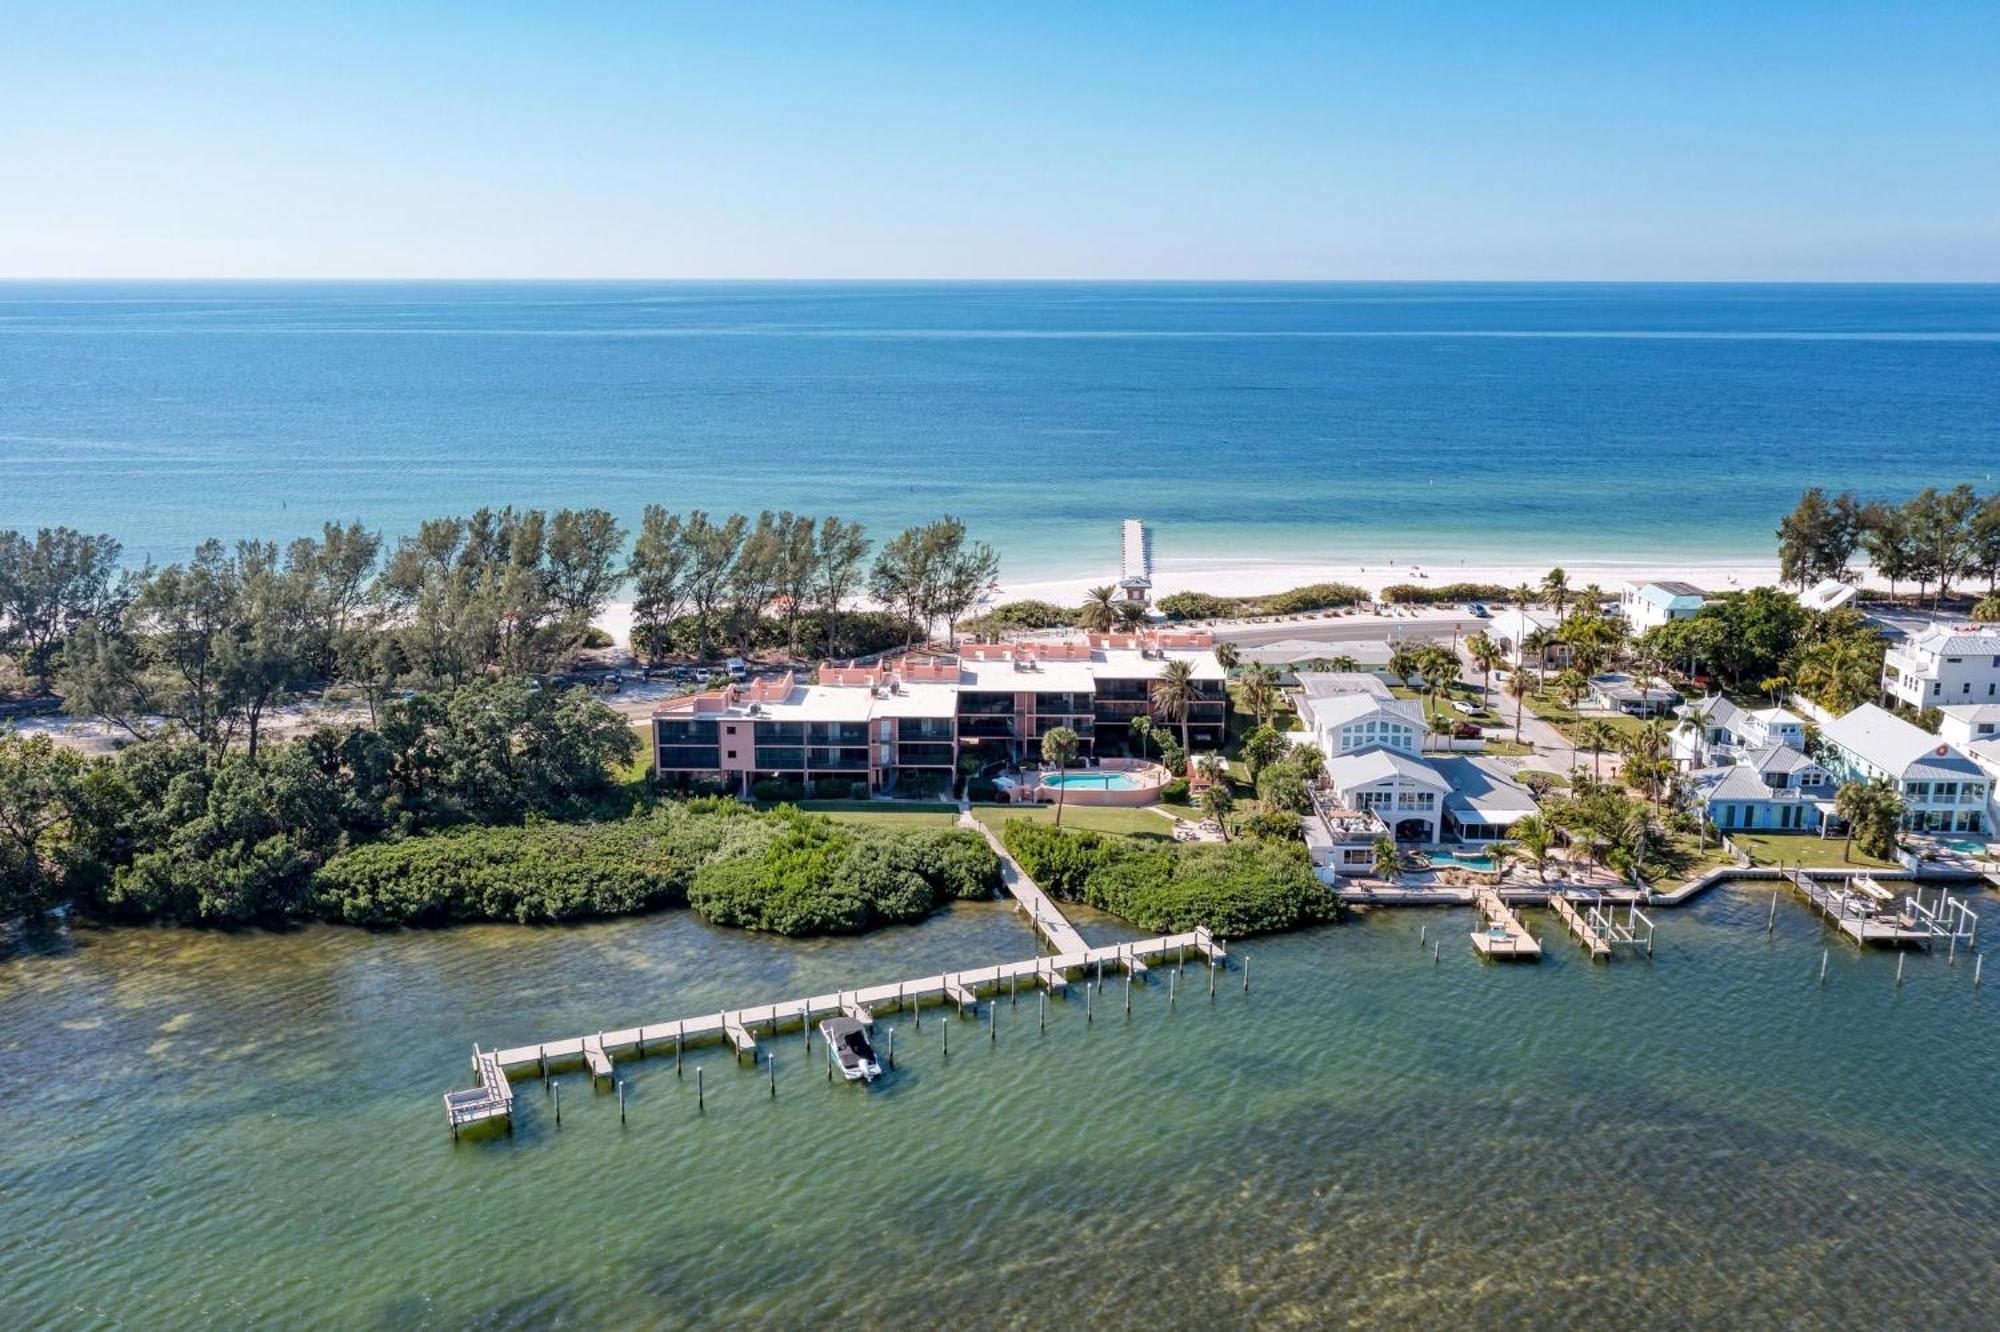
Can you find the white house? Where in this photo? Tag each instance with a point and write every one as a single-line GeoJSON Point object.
{"type": "Point", "coordinates": [1405, 792]}
{"type": "Point", "coordinates": [1509, 629]}
{"type": "Point", "coordinates": [1828, 594]}
{"type": "Point", "coordinates": [1965, 724]}
{"type": "Point", "coordinates": [1726, 730]}
{"type": "Point", "coordinates": [1352, 720]}
{"type": "Point", "coordinates": [1648, 605]}
{"type": "Point", "coordinates": [1941, 788]}
{"type": "Point", "coordinates": [1945, 664]}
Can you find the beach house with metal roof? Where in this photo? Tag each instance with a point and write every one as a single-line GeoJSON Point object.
{"type": "Point", "coordinates": [1648, 605]}
{"type": "Point", "coordinates": [1942, 789]}
{"type": "Point", "coordinates": [1944, 664]}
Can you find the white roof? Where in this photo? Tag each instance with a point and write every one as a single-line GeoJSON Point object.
{"type": "Point", "coordinates": [1047, 677]}
{"type": "Point", "coordinates": [918, 700]}
{"type": "Point", "coordinates": [1828, 594]}
{"type": "Point", "coordinates": [1326, 684]}
{"type": "Point", "coordinates": [810, 703]}
{"type": "Point", "coordinates": [1373, 765]}
{"type": "Point", "coordinates": [1960, 640]}
{"type": "Point", "coordinates": [1886, 741]}
{"type": "Point", "coordinates": [1331, 710]}
{"type": "Point", "coordinates": [1516, 624]}
{"type": "Point", "coordinates": [1972, 713]}
{"type": "Point", "coordinates": [1778, 717]}
{"type": "Point", "coordinates": [1670, 595]}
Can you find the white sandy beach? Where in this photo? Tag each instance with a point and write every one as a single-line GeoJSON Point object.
{"type": "Point", "coordinates": [1248, 577]}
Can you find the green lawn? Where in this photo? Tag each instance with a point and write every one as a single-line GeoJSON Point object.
{"type": "Point", "coordinates": [1126, 822]}
{"type": "Point", "coordinates": [1807, 849]}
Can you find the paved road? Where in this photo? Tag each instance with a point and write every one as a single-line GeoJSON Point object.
{"type": "Point", "coordinates": [1351, 629]}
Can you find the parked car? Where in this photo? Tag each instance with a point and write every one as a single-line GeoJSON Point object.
{"type": "Point", "coordinates": [1460, 705]}
{"type": "Point", "coordinates": [1478, 611]}
{"type": "Point", "coordinates": [736, 667]}
{"type": "Point", "coordinates": [1467, 731]}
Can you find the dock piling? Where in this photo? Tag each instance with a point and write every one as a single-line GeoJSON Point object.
{"type": "Point", "coordinates": [556, 1088]}
{"type": "Point", "coordinates": [1771, 921]}
{"type": "Point", "coordinates": [1423, 934]}
{"type": "Point", "coordinates": [700, 1098]}
{"type": "Point", "coordinates": [1437, 951]}
{"type": "Point", "coordinates": [1978, 964]}
{"type": "Point", "coordinates": [992, 1023]}
{"type": "Point", "coordinates": [1172, 976]}
{"type": "Point", "coordinates": [1211, 978]}
{"type": "Point", "coordinates": [1901, 958]}
{"type": "Point", "coordinates": [542, 1059]}
{"type": "Point", "coordinates": [1128, 992]}
{"type": "Point", "coordinates": [889, 1047]}
{"type": "Point", "coordinates": [621, 1100]}
{"type": "Point", "coordinates": [1089, 1000]}
{"type": "Point", "coordinates": [1014, 990]}
{"type": "Point", "coordinates": [772, 1061]}
{"type": "Point", "coordinates": [1824, 954]}
{"type": "Point", "coordinates": [945, 1027]}
{"type": "Point", "coordinates": [1246, 975]}
{"type": "Point", "coordinates": [1042, 1011]}
{"type": "Point", "coordinates": [677, 1052]}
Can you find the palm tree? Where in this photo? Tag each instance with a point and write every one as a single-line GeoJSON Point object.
{"type": "Point", "coordinates": [1227, 655]}
{"type": "Point", "coordinates": [1520, 684]}
{"type": "Point", "coordinates": [1259, 692]}
{"type": "Point", "coordinates": [1486, 655]}
{"type": "Point", "coordinates": [1872, 812]}
{"type": "Point", "coordinates": [1100, 609]}
{"type": "Point", "coordinates": [1142, 730]}
{"type": "Point", "coordinates": [1438, 667]}
{"type": "Point", "coordinates": [1555, 588]}
{"type": "Point", "coordinates": [1216, 802]}
{"type": "Point", "coordinates": [1524, 596]}
{"type": "Point", "coordinates": [1342, 662]}
{"type": "Point", "coordinates": [1536, 841]}
{"type": "Point", "coordinates": [1131, 614]}
{"type": "Point", "coordinates": [1388, 861]}
{"type": "Point", "coordinates": [1402, 663]}
{"type": "Point", "coordinates": [1570, 686]}
{"type": "Point", "coordinates": [1174, 696]}
{"type": "Point", "coordinates": [1596, 736]}
{"type": "Point", "coordinates": [1059, 747]}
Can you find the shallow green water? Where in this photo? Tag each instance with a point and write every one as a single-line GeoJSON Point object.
{"type": "Point", "coordinates": [236, 1130]}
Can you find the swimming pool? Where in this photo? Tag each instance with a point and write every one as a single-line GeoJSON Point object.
{"type": "Point", "coordinates": [1452, 860]}
{"type": "Point", "coordinates": [1091, 781]}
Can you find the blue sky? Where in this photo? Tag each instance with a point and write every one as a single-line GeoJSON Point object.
{"type": "Point", "coordinates": [1782, 140]}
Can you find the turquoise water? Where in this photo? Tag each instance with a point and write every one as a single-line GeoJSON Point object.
{"type": "Point", "coordinates": [1454, 860]}
{"type": "Point", "coordinates": [244, 1130]}
{"type": "Point", "coordinates": [1236, 417]}
{"type": "Point", "coordinates": [1090, 781]}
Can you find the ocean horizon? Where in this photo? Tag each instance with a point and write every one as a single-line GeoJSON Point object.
{"type": "Point", "coordinates": [1285, 422]}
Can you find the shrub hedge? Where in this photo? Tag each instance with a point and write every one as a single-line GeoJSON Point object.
{"type": "Point", "coordinates": [1428, 594]}
{"type": "Point", "coordinates": [782, 871]}
{"type": "Point", "coordinates": [1232, 888]}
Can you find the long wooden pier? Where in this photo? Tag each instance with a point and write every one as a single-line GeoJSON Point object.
{"type": "Point", "coordinates": [741, 1027]}
{"type": "Point", "coordinates": [1601, 926]}
{"type": "Point", "coordinates": [1871, 914]}
{"type": "Point", "coordinates": [1501, 933]}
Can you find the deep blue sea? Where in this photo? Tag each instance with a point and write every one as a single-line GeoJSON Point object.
{"type": "Point", "coordinates": [1302, 421]}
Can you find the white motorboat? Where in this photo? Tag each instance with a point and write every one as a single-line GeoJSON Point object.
{"type": "Point", "coordinates": [852, 1054]}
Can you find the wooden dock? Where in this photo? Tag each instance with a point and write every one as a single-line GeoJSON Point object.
{"type": "Point", "coordinates": [1602, 927]}
{"type": "Point", "coordinates": [741, 1027]}
{"type": "Point", "coordinates": [491, 1098]}
{"type": "Point", "coordinates": [1870, 914]}
{"type": "Point", "coordinates": [1049, 921]}
{"type": "Point", "coordinates": [1501, 933]}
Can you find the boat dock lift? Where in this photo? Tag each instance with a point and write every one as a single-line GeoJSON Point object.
{"type": "Point", "coordinates": [1872, 914]}
{"type": "Point", "coordinates": [1602, 926]}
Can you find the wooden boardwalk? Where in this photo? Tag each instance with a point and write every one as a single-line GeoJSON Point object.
{"type": "Point", "coordinates": [1501, 933]}
{"type": "Point", "coordinates": [1581, 929]}
{"type": "Point", "coordinates": [741, 1027]}
{"type": "Point", "coordinates": [1050, 923]}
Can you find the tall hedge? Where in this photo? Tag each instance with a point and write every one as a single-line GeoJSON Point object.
{"type": "Point", "coordinates": [1233, 889]}
{"type": "Point", "coordinates": [782, 871]}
